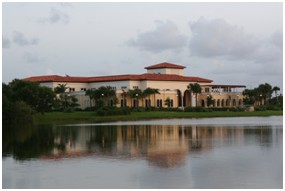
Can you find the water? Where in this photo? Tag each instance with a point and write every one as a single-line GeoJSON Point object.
{"type": "Point", "coordinates": [177, 153]}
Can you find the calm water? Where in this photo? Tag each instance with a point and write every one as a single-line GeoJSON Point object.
{"type": "Point", "coordinates": [184, 153]}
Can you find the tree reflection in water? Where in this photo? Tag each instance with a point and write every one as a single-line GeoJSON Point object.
{"type": "Point", "coordinates": [162, 145]}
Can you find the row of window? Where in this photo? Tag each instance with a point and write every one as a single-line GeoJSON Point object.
{"type": "Point", "coordinates": [223, 103]}
{"type": "Point", "coordinates": [113, 88]}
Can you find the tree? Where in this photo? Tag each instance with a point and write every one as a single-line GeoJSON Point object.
{"type": "Point", "coordinates": [61, 88]}
{"type": "Point", "coordinates": [65, 101]}
{"type": "Point", "coordinates": [196, 89]}
{"type": "Point", "coordinates": [210, 100]}
{"type": "Point", "coordinates": [39, 98]}
{"type": "Point", "coordinates": [91, 94]}
{"type": "Point", "coordinates": [135, 94]}
{"type": "Point", "coordinates": [150, 91]}
{"type": "Point", "coordinates": [275, 89]}
{"type": "Point", "coordinates": [167, 102]}
{"type": "Point", "coordinates": [265, 91]}
{"type": "Point", "coordinates": [103, 94]}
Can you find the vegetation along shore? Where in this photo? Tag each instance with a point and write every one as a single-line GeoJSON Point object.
{"type": "Point", "coordinates": [90, 116]}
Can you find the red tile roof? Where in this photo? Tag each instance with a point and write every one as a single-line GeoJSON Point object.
{"type": "Point", "coordinates": [165, 65]}
{"type": "Point", "coordinates": [135, 77]}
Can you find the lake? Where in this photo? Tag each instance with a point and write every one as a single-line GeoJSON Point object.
{"type": "Point", "coordinates": [240, 152]}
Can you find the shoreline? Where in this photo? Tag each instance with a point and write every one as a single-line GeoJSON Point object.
{"type": "Point", "coordinates": [90, 117]}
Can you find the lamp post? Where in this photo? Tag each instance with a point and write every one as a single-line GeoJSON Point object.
{"type": "Point", "coordinates": [137, 102]}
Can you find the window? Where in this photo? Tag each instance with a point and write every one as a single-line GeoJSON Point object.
{"type": "Point", "coordinates": [71, 89]}
{"type": "Point", "coordinates": [123, 87]}
{"type": "Point", "coordinates": [207, 89]}
{"type": "Point", "coordinates": [148, 103]}
{"type": "Point", "coordinates": [114, 88]}
{"type": "Point", "coordinates": [135, 87]}
{"type": "Point", "coordinates": [159, 102]}
{"type": "Point", "coordinates": [83, 89]}
{"type": "Point", "coordinates": [123, 102]}
{"type": "Point", "coordinates": [171, 103]}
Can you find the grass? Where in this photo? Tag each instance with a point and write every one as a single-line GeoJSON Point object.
{"type": "Point", "coordinates": [76, 117]}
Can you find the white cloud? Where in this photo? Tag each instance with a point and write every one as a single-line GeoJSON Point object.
{"type": "Point", "coordinates": [164, 37]}
{"type": "Point", "coordinates": [219, 38]}
{"type": "Point", "coordinates": [21, 40]}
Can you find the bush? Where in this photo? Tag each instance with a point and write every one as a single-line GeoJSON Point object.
{"type": "Point", "coordinates": [211, 109]}
{"type": "Point", "coordinates": [197, 109]}
{"type": "Point", "coordinates": [260, 108]}
{"type": "Point", "coordinates": [107, 111]}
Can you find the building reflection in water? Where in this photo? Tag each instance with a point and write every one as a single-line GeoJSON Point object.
{"type": "Point", "coordinates": [161, 145]}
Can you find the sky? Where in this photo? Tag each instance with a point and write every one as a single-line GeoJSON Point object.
{"type": "Point", "coordinates": [229, 43]}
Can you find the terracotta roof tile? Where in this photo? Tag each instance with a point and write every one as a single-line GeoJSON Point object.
{"type": "Point", "coordinates": [136, 77]}
{"type": "Point", "coordinates": [165, 65]}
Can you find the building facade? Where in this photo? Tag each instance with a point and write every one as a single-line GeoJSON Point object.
{"type": "Point", "coordinates": [168, 78]}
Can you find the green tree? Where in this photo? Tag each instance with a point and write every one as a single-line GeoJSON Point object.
{"type": "Point", "coordinates": [265, 91]}
{"type": "Point", "coordinates": [275, 89]}
{"type": "Point", "coordinates": [135, 94]}
{"type": "Point", "coordinates": [210, 101]}
{"type": "Point", "coordinates": [37, 97]}
{"type": "Point", "coordinates": [196, 89]}
{"type": "Point", "coordinates": [150, 91]}
{"type": "Point", "coordinates": [105, 94]}
{"type": "Point", "coordinates": [167, 102]}
{"type": "Point", "coordinates": [91, 94]}
{"type": "Point", "coordinates": [65, 101]}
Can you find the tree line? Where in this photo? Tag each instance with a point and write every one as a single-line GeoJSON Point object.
{"type": "Point", "coordinates": [262, 96]}
{"type": "Point", "coordinates": [21, 99]}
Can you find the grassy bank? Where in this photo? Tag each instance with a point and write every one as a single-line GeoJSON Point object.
{"type": "Point", "coordinates": [91, 117]}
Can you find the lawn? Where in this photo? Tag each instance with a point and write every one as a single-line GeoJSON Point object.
{"type": "Point", "coordinates": [91, 117]}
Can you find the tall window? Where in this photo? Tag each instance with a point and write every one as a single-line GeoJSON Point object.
{"type": "Point", "coordinates": [159, 102]}
{"type": "Point", "coordinates": [123, 102]}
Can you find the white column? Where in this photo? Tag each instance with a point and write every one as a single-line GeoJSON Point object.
{"type": "Point", "coordinates": [193, 100]}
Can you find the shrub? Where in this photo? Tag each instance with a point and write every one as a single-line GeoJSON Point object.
{"type": "Point", "coordinates": [107, 111]}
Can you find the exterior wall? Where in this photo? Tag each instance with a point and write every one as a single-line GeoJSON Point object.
{"type": "Point", "coordinates": [176, 91]}
{"type": "Point", "coordinates": [117, 84]}
{"type": "Point", "coordinates": [166, 71]}
{"type": "Point", "coordinates": [47, 84]}
{"type": "Point", "coordinates": [226, 99]}
{"type": "Point", "coordinates": [76, 86]}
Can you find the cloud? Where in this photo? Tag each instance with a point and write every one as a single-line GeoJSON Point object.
{"type": "Point", "coordinates": [21, 40]}
{"type": "Point", "coordinates": [219, 38]}
{"type": "Point", "coordinates": [164, 37]}
{"type": "Point", "coordinates": [55, 16]}
{"type": "Point", "coordinates": [5, 42]}
{"type": "Point", "coordinates": [32, 58]}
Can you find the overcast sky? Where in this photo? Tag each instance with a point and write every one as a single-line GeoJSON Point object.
{"type": "Point", "coordinates": [230, 43]}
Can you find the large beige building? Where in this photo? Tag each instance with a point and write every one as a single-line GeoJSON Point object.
{"type": "Point", "coordinates": [168, 78]}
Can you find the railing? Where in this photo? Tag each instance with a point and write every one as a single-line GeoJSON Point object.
{"type": "Point", "coordinates": [222, 93]}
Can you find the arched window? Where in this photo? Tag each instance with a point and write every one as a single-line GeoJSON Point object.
{"type": "Point", "coordinates": [227, 103]}
{"type": "Point", "coordinates": [218, 103]}
{"type": "Point", "coordinates": [239, 102]}
{"type": "Point", "coordinates": [234, 102]}
{"type": "Point", "coordinates": [203, 103]}
{"type": "Point", "coordinates": [223, 103]}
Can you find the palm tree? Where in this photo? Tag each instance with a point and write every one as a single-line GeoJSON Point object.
{"type": "Point", "coordinates": [196, 89]}
{"type": "Point", "coordinates": [91, 94]}
{"type": "Point", "coordinates": [61, 88]}
{"type": "Point", "coordinates": [275, 89]}
{"type": "Point", "coordinates": [265, 91]}
{"type": "Point", "coordinates": [135, 93]}
{"type": "Point", "coordinates": [149, 91]}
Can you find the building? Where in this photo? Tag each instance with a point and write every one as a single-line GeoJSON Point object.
{"type": "Point", "coordinates": [168, 78]}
